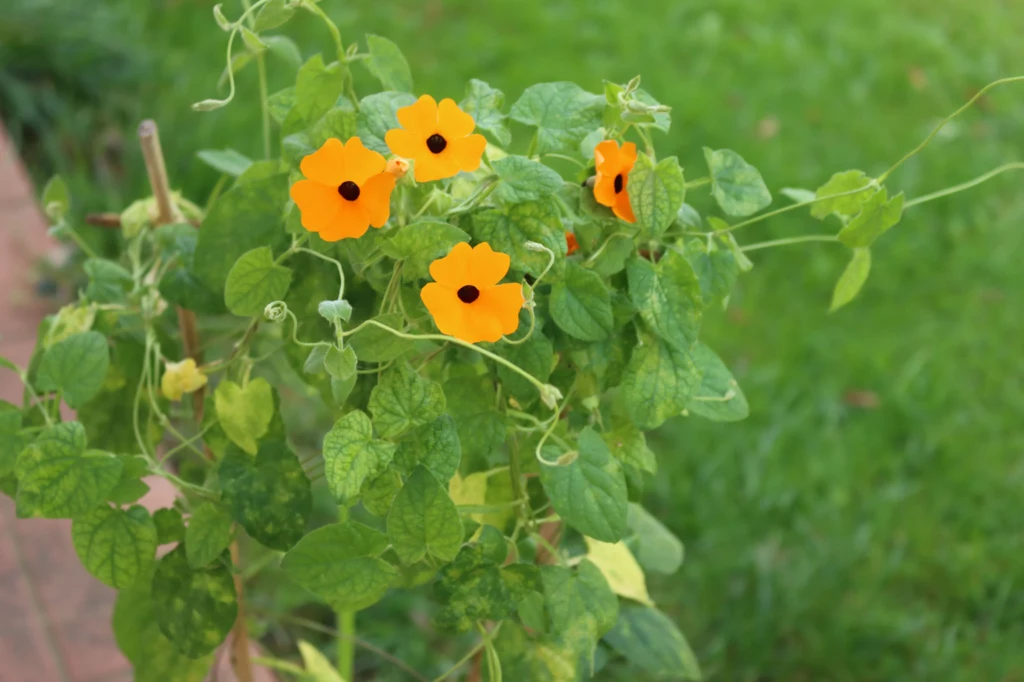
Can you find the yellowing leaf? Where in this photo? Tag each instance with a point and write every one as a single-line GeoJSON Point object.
{"type": "Point", "coordinates": [317, 665]}
{"type": "Point", "coordinates": [620, 569]}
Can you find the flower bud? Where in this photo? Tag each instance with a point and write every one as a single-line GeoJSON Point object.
{"type": "Point", "coordinates": [397, 167]}
{"type": "Point", "coordinates": [550, 396]}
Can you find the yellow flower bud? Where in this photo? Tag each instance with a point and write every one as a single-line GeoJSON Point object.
{"type": "Point", "coordinates": [397, 167]}
{"type": "Point", "coordinates": [180, 378]}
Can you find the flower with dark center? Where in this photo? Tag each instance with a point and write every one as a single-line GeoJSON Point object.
{"type": "Point", "coordinates": [438, 138]}
{"type": "Point", "coordinates": [345, 191]}
{"type": "Point", "coordinates": [465, 298]}
{"type": "Point", "coordinates": [613, 165]}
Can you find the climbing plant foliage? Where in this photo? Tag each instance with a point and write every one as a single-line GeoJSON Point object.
{"type": "Point", "coordinates": [504, 479]}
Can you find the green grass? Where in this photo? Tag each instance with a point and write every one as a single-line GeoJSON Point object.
{"type": "Point", "coordinates": [825, 541]}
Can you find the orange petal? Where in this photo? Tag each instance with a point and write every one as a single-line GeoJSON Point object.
{"type": "Point", "coordinates": [627, 157]}
{"type": "Point", "coordinates": [361, 163]}
{"type": "Point", "coordinates": [420, 117]}
{"type": "Point", "coordinates": [350, 223]}
{"type": "Point", "coordinates": [486, 266]}
{"type": "Point", "coordinates": [327, 164]}
{"type": "Point", "coordinates": [452, 122]}
{"type": "Point", "coordinates": [318, 204]}
{"type": "Point", "coordinates": [606, 157]}
{"type": "Point", "coordinates": [430, 166]}
{"type": "Point", "coordinates": [406, 143]}
{"type": "Point", "coordinates": [504, 302]}
{"type": "Point", "coordinates": [571, 243]}
{"type": "Point", "coordinates": [375, 197]}
{"type": "Point", "coordinates": [604, 190]}
{"type": "Point", "coordinates": [453, 270]}
{"type": "Point", "coordinates": [467, 151]}
{"type": "Point", "coordinates": [448, 311]}
{"type": "Point", "coordinates": [623, 208]}
{"type": "Point", "coordinates": [481, 324]}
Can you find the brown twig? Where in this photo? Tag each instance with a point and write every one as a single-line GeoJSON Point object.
{"type": "Point", "coordinates": [113, 220]}
{"type": "Point", "coordinates": [149, 139]}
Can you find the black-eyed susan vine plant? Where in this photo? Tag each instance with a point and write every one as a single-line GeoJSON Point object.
{"type": "Point", "coordinates": [491, 335]}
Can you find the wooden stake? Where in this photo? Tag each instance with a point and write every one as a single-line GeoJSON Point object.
{"type": "Point", "coordinates": [149, 139]}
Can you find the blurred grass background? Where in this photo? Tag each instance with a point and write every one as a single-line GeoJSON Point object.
{"type": "Point", "coordinates": [866, 522]}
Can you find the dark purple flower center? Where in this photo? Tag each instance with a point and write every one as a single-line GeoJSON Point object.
{"type": "Point", "coordinates": [468, 293]}
{"type": "Point", "coordinates": [436, 143]}
{"type": "Point", "coordinates": [349, 190]}
{"type": "Point", "coordinates": [618, 183]}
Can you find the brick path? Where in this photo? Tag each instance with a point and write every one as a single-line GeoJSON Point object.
{"type": "Point", "coordinates": [54, 616]}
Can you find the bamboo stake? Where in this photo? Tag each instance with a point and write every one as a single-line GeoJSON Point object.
{"type": "Point", "coordinates": [152, 153]}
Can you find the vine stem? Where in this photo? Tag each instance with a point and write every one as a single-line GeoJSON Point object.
{"type": "Point", "coordinates": [261, 67]}
{"type": "Point", "coordinates": [149, 139]}
{"type": "Point", "coordinates": [942, 124]}
{"type": "Point", "coordinates": [451, 339]}
{"type": "Point", "coordinates": [1015, 165]}
{"type": "Point", "coordinates": [787, 209]}
{"type": "Point", "coordinates": [790, 240]}
{"type": "Point", "coordinates": [469, 655]}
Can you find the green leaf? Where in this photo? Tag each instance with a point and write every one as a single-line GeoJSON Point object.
{"type": "Point", "coordinates": [536, 660]}
{"type": "Point", "coordinates": [852, 279]}
{"type": "Point", "coordinates": [654, 545]}
{"type": "Point", "coordinates": [507, 230]}
{"type": "Point", "coordinates": [272, 15]}
{"type": "Point", "coordinates": [876, 216]}
{"type": "Point", "coordinates": [317, 88]}
{"type": "Point", "coordinates": [254, 281]}
{"type": "Point", "coordinates": [656, 192]}
{"type": "Point", "coordinates": [195, 609]}
{"type": "Point", "coordinates": [612, 259]}
{"type": "Point", "coordinates": [652, 643]}
{"type": "Point", "coordinates": [581, 304]}
{"type": "Point", "coordinates": [208, 534]}
{"type": "Point", "coordinates": [339, 122]}
{"type": "Point", "coordinates": [58, 478]}
{"type": "Point", "coordinates": [12, 442]}
{"type": "Point", "coordinates": [373, 344]}
{"type": "Point", "coordinates": [129, 487]}
{"type": "Point", "coordinates": [471, 402]}
{"type": "Point", "coordinates": [484, 104]}
{"type": "Point", "coordinates": [116, 546]}
{"type": "Point", "coordinates": [562, 112]}
{"type": "Point", "coordinates": [662, 119]}
{"type": "Point", "coordinates": [436, 446]}
{"type": "Point", "coordinates": [387, 64]}
{"type": "Point", "coordinates": [420, 244]}
{"type": "Point", "coordinates": [522, 179]}
{"type": "Point", "coordinates": [285, 49]}
{"type": "Point", "coordinates": [378, 493]}
{"type": "Point", "coordinates": [668, 297]}
{"type": "Point", "coordinates": [735, 184]}
{"type": "Point", "coordinates": [352, 455]}
{"type": "Point", "coordinates": [589, 493]}
{"type": "Point", "coordinates": [340, 364]}
{"type": "Point", "coordinates": [153, 657]}
{"type": "Point", "coordinates": [658, 383]}
{"type": "Point", "coordinates": [536, 355]}
{"type": "Point", "coordinates": [402, 400]}
{"type": "Point", "coordinates": [252, 41]}
{"type": "Point", "coordinates": [269, 496]}
{"type": "Point", "coordinates": [245, 413]}
{"type": "Point", "coordinates": [77, 366]}
{"type": "Point", "coordinates": [56, 199]}
{"type": "Point", "coordinates": [337, 562]}
{"type": "Point", "coordinates": [378, 113]}
{"type": "Point", "coordinates": [472, 587]}
{"type": "Point", "coordinates": [245, 217]}
{"type": "Point", "coordinates": [170, 526]}
{"type": "Point", "coordinates": [228, 161]}
{"type": "Point", "coordinates": [716, 270]}
{"type": "Point", "coordinates": [844, 207]}
{"type": "Point", "coordinates": [281, 102]}
{"type": "Point", "coordinates": [727, 402]}
{"type": "Point", "coordinates": [628, 444]}
{"type": "Point", "coordinates": [108, 281]}
{"type": "Point", "coordinates": [586, 593]}
{"type": "Point", "coordinates": [423, 520]}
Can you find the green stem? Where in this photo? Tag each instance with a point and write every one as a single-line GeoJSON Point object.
{"type": "Point", "coordinates": [261, 67]}
{"type": "Point", "coordinates": [339, 47]}
{"type": "Point", "coordinates": [346, 643]}
{"type": "Point", "coordinates": [1016, 165]}
{"type": "Point", "coordinates": [787, 209]}
{"type": "Point", "coordinates": [341, 271]}
{"type": "Point", "coordinates": [700, 182]}
{"type": "Point", "coordinates": [789, 240]}
{"type": "Point", "coordinates": [468, 657]}
{"type": "Point", "coordinates": [451, 339]}
{"type": "Point", "coordinates": [77, 239]}
{"type": "Point", "coordinates": [931, 136]}
{"type": "Point", "coordinates": [563, 157]}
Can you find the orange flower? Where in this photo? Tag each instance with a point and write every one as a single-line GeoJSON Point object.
{"type": "Point", "coordinates": [613, 166]}
{"type": "Point", "coordinates": [345, 192]}
{"type": "Point", "coordinates": [465, 298]}
{"type": "Point", "coordinates": [570, 240]}
{"type": "Point", "coordinates": [437, 137]}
